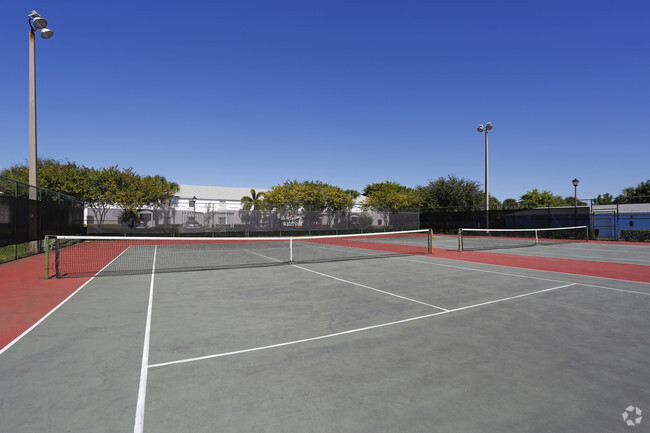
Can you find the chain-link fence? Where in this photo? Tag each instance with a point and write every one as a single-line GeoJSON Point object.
{"type": "Point", "coordinates": [254, 222]}
{"type": "Point", "coordinates": [28, 214]}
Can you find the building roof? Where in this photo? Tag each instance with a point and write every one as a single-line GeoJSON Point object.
{"type": "Point", "coordinates": [622, 208]}
{"type": "Point", "coordinates": [215, 192]}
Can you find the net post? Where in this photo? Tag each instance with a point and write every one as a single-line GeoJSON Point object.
{"type": "Point", "coordinates": [460, 239]}
{"type": "Point", "coordinates": [430, 242]}
{"type": "Point", "coordinates": [536, 237]}
{"type": "Point", "coordinates": [586, 233]}
{"type": "Point", "coordinates": [57, 248]}
{"type": "Point", "coordinates": [47, 257]}
{"type": "Point", "coordinates": [291, 250]}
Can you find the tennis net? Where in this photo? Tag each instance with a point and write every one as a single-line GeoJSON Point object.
{"type": "Point", "coordinates": [487, 239]}
{"type": "Point", "coordinates": [105, 255]}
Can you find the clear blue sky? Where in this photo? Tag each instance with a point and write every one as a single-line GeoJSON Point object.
{"type": "Point", "coordinates": [252, 93]}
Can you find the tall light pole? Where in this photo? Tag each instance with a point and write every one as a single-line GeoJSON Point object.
{"type": "Point", "coordinates": [36, 23]}
{"type": "Point", "coordinates": [480, 128]}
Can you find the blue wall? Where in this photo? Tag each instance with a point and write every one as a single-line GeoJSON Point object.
{"type": "Point", "coordinates": [606, 223]}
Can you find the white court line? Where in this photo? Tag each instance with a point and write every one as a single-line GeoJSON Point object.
{"type": "Point", "coordinates": [634, 292]}
{"type": "Point", "coordinates": [371, 288]}
{"type": "Point", "coordinates": [28, 330]}
{"type": "Point", "coordinates": [352, 331]}
{"type": "Point", "coordinates": [356, 284]}
{"type": "Point", "coordinates": [606, 259]}
{"type": "Point", "coordinates": [4, 349]}
{"type": "Point", "coordinates": [508, 273]}
{"type": "Point", "coordinates": [266, 257]}
{"type": "Point", "coordinates": [142, 390]}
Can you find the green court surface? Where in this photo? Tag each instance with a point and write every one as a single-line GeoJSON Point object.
{"type": "Point", "coordinates": [405, 343]}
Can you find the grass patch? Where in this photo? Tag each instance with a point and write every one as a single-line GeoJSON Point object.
{"type": "Point", "coordinates": [13, 252]}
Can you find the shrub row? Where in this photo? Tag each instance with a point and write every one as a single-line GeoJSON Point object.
{"type": "Point", "coordinates": [636, 235]}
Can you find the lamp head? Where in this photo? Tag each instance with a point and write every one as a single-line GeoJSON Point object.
{"type": "Point", "coordinates": [480, 128]}
{"type": "Point", "coordinates": [46, 33]}
{"type": "Point", "coordinates": [575, 182]}
{"type": "Point", "coordinates": [488, 126]}
{"type": "Point", "coordinates": [38, 22]}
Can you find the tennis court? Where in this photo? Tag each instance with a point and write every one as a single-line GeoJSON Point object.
{"type": "Point", "coordinates": [399, 342]}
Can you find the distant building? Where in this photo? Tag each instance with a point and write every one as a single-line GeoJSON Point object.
{"type": "Point", "coordinates": [611, 219]}
{"type": "Point", "coordinates": [219, 204]}
{"type": "Point", "coordinates": [191, 204]}
{"type": "Point", "coordinates": [198, 208]}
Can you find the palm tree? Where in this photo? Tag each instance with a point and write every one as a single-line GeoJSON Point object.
{"type": "Point", "coordinates": [352, 193]}
{"type": "Point", "coordinates": [253, 203]}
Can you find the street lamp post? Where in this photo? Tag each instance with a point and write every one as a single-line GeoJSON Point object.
{"type": "Point", "coordinates": [575, 182]}
{"type": "Point", "coordinates": [575, 191]}
{"type": "Point", "coordinates": [36, 23]}
{"type": "Point", "coordinates": [480, 128]}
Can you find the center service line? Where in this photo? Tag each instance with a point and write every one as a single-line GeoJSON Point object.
{"type": "Point", "coordinates": [371, 288]}
{"type": "Point", "coordinates": [142, 390]}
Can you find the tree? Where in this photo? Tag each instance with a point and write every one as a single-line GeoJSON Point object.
{"type": "Point", "coordinates": [101, 192]}
{"type": "Point", "coordinates": [64, 177]}
{"type": "Point", "coordinates": [337, 202]}
{"type": "Point", "coordinates": [606, 198]}
{"type": "Point", "coordinates": [293, 197]}
{"type": "Point", "coordinates": [134, 192]}
{"type": "Point", "coordinates": [390, 196]}
{"type": "Point", "coordinates": [454, 192]}
{"type": "Point", "coordinates": [352, 193]}
{"type": "Point", "coordinates": [252, 202]}
{"type": "Point", "coordinates": [637, 194]}
{"type": "Point", "coordinates": [158, 193]}
{"type": "Point", "coordinates": [100, 188]}
{"type": "Point", "coordinates": [534, 199]}
{"type": "Point", "coordinates": [510, 204]}
{"type": "Point", "coordinates": [571, 201]}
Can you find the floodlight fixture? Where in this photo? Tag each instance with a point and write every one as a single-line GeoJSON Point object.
{"type": "Point", "coordinates": [46, 33]}
{"type": "Point", "coordinates": [37, 22]}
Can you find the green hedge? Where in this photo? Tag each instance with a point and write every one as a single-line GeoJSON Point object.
{"type": "Point", "coordinates": [636, 235]}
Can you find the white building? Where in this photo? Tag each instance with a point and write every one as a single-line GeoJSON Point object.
{"type": "Point", "coordinates": [190, 205]}
{"type": "Point", "coordinates": [199, 208]}
{"type": "Point", "coordinates": [219, 203]}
